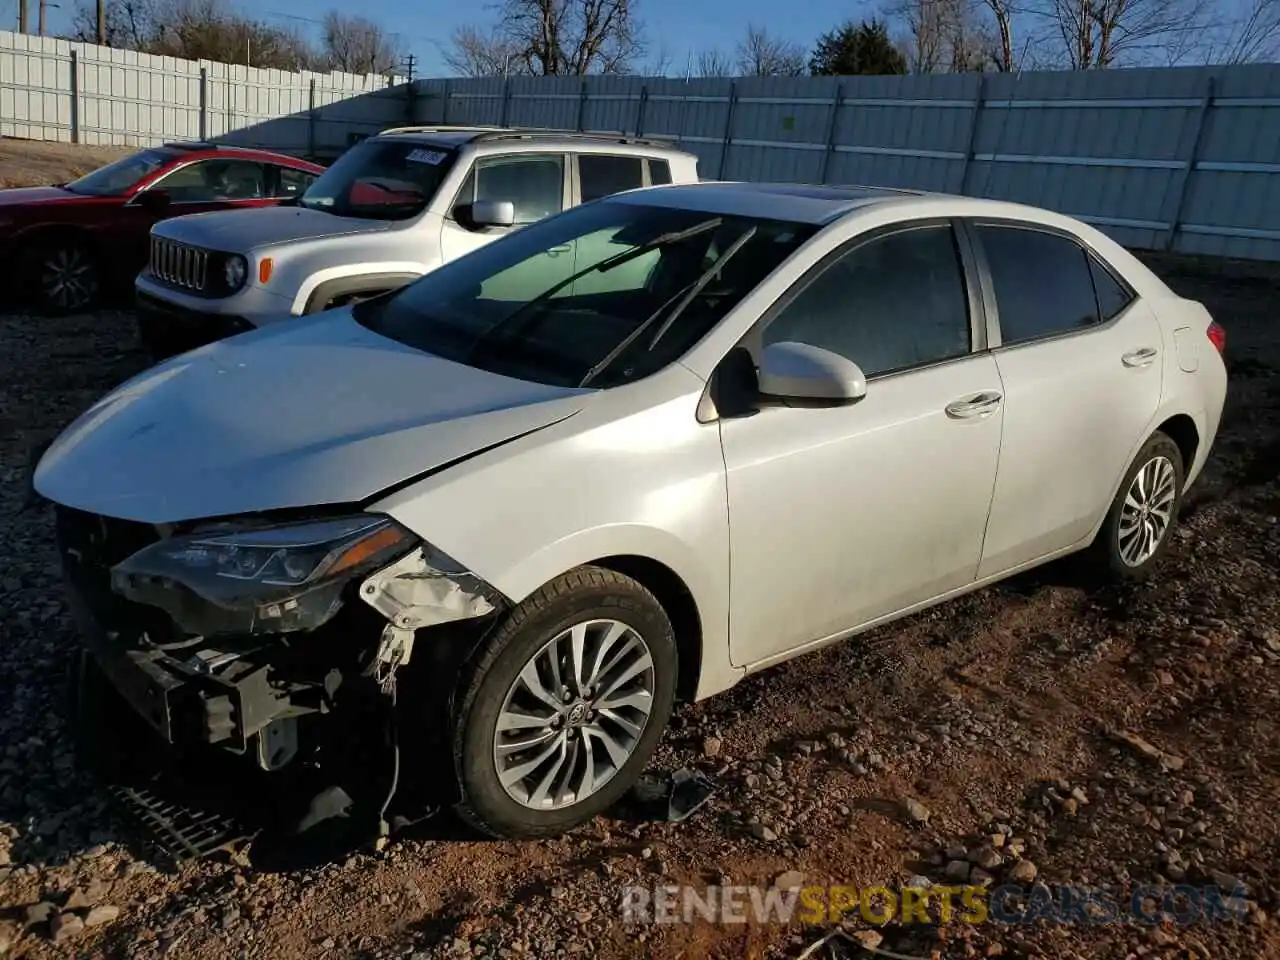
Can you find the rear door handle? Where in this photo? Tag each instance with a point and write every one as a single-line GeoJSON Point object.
{"type": "Point", "coordinates": [978, 405]}
{"type": "Point", "coordinates": [1140, 358]}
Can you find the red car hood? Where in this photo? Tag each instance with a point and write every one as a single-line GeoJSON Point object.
{"type": "Point", "coordinates": [16, 196]}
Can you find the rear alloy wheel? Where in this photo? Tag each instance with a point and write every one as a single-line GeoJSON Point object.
{"type": "Point", "coordinates": [1140, 522]}
{"type": "Point", "coordinates": [566, 705]}
{"type": "Point", "coordinates": [66, 278]}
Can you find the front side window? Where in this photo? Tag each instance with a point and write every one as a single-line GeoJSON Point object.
{"type": "Point", "coordinates": [207, 181]}
{"type": "Point", "coordinates": [1043, 283]}
{"type": "Point", "coordinates": [534, 183]}
{"type": "Point", "coordinates": [292, 182]}
{"type": "Point", "coordinates": [600, 175]}
{"type": "Point", "coordinates": [121, 176]}
{"type": "Point", "coordinates": [889, 304]}
{"type": "Point", "coordinates": [380, 180]}
{"type": "Point", "coordinates": [661, 279]}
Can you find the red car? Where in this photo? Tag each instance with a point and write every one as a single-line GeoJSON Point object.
{"type": "Point", "coordinates": [76, 240]}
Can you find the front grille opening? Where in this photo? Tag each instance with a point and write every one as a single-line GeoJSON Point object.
{"type": "Point", "coordinates": [179, 264]}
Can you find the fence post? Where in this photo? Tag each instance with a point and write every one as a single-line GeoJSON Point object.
{"type": "Point", "coordinates": [444, 111]}
{"type": "Point", "coordinates": [728, 129]}
{"type": "Point", "coordinates": [967, 162]}
{"type": "Point", "coordinates": [831, 132]}
{"type": "Point", "coordinates": [202, 120]}
{"type": "Point", "coordinates": [1183, 180]}
{"type": "Point", "coordinates": [311, 119]}
{"type": "Point", "coordinates": [506, 101]}
{"type": "Point", "coordinates": [75, 96]}
{"type": "Point", "coordinates": [640, 108]}
{"type": "Point", "coordinates": [582, 107]}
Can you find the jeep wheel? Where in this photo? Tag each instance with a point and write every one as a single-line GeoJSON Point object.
{"type": "Point", "coordinates": [565, 706]}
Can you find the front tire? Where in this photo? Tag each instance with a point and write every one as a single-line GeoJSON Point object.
{"type": "Point", "coordinates": [565, 706]}
{"type": "Point", "coordinates": [65, 278]}
{"type": "Point", "coordinates": [1140, 523]}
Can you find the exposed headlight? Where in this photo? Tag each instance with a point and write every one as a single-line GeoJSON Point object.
{"type": "Point", "coordinates": [259, 580]}
{"type": "Point", "coordinates": [234, 270]}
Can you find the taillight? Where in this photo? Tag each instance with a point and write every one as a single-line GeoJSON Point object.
{"type": "Point", "coordinates": [1217, 336]}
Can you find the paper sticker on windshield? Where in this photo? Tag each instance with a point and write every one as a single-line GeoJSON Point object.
{"type": "Point", "coordinates": [421, 155]}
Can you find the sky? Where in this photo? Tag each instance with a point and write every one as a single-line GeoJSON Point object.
{"type": "Point", "coordinates": [426, 25]}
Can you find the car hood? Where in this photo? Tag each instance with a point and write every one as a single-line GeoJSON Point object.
{"type": "Point", "coordinates": [240, 231]}
{"type": "Point", "coordinates": [306, 413]}
{"type": "Point", "coordinates": [21, 196]}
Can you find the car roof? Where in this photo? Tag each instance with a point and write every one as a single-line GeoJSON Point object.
{"type": "Point", "coordinates": [457, 136]}
{"type": "Point", "coordinates": [189, 149]}
{"type": "Point", "coordinates": [820, 204]}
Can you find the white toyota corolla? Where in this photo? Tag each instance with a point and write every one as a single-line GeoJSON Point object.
{"type": "Point", "coordinates": [752, 420]}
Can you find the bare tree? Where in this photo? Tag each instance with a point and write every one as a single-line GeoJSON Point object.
{"type": "Point", "coordinates": [713, 63]}
{"type": "Point", "coordinates": [944, 35]}
{"type": "Point", "coordinates": [1002, 51]}
{"type": "Point", "coordinates": [1252, 37]}
{"type": "Point", "coordinates": [357, 45]}
{"type": "Point", "coordinates": [762, 55]}
{"type": "Point", "coordinates": [129, 24]}
{"type": "Point", "coordinates": [478, 54]}
{"type": "Point", "coordinates": [1103, 33]}
{"type": "Point", "coordinates": [551, 38]}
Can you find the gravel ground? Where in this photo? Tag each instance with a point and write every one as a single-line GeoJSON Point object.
{"type": "Point", "coordinates": [1035, 730]}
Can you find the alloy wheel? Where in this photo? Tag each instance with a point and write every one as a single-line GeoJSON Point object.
{"type": "Point", "coordinates": [1147, 512]}
{"type": "Point", "coordinates": [68, 278]}
{"type": "Point", "coordinates": [574, 715]}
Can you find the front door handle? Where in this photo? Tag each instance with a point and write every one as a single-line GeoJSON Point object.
{"type": "Point", "coordinates": [978, 405]}
{"type": "Point", "coordinates": [562, 248]}
{"type": "Point", "coordinates": [1140, 358]}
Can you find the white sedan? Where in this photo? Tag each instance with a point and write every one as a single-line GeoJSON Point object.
{"type": "Point", "coordinates": [754, 420]}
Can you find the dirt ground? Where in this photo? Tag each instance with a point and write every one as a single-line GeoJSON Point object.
{"type": "Point", "coordinates": [32, 163]}
{"type": "Point", "coordinates": [1040, 729]}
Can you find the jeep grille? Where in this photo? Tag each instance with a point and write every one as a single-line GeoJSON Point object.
{"type": "Point", "coordinates": [178, 264]}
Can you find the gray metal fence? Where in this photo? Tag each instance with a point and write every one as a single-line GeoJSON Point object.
{"type": "Point", "coordinates": [1185, 159]}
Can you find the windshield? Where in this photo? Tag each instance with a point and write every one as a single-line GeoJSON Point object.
{"type": "Point", "coordinates": [121, 176]}
{"type": "Point", "coordinates": [598, 296]}
{"type": "Point", "coordinates": [380, 180]}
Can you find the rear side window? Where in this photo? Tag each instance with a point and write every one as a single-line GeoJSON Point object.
{"type": "Point", "coordinates": [602, 175]}
{"type": "Point", "coordinates": [1113, 296]}
{"type": "Point", "coordinates": [1043, 282]}
{"type": "Point", "coordinates": [292, 182]}
{"type": "Point", "coordinates": [888, 304]}
{"type": "Point", "coordinates": [659, 172]}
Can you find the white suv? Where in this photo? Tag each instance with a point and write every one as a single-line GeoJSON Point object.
{"type": "Point", "coordinates": [392, 208]}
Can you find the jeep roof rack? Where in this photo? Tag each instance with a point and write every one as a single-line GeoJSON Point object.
{"type": "Point", "coordinates": [489, 133]}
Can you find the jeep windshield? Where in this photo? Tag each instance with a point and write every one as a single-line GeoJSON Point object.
{"type": "Point", "coordinates": [119, 177]}
{"type": "Point", "coordinates": [601, 295]}
{"type": "Point", "coordinates": [380, 180]}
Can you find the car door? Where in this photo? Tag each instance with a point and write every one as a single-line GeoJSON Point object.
{"type": "Point", "coordinates": [1079, 358]}
{"type": "Point", "coordinates": [842, 515]}
{"type": "Point", "coordinates": [215, 183]}
{"type": "Point", "coordinates": [537, 185]}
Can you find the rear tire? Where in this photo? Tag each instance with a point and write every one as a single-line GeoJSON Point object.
{"type": "Point", "coordinates": [1144, 513]}
{"type": "Point", "coordinates": [584, 673]}
{"type": "Point", "coordinates": [64, 277]}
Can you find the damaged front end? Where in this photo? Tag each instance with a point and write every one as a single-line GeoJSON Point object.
{"type": "Point", "coordinates": [269, 652]}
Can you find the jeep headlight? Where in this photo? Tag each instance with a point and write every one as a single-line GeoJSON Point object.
{"type": "Point", "coordinates": [271, 579]}
{"type": "Point", "coordinates": [234, 270]}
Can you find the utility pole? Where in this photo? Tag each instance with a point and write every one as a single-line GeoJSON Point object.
{"type": "Point", "coordinates": [410, 61]}
{"type": "Point", "coordinates": [102, 23]}
{"type": "Point", "coordinates": [22, 16]}
{"type": "Point", "coordinates": [40, 28]}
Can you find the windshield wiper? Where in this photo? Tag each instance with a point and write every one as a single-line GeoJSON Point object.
{"type": "Point", "coordinates": [691, 291]}
{"type": "Point", "coordinates": [602, 266]}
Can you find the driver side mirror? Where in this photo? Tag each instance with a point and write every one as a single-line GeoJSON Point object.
{"type": "Point", "coordinates": [487, 213]}
{"type": "Point", "coordinates": [800, 371]}
{"type": "Point", "coordinates": [153, 201]}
